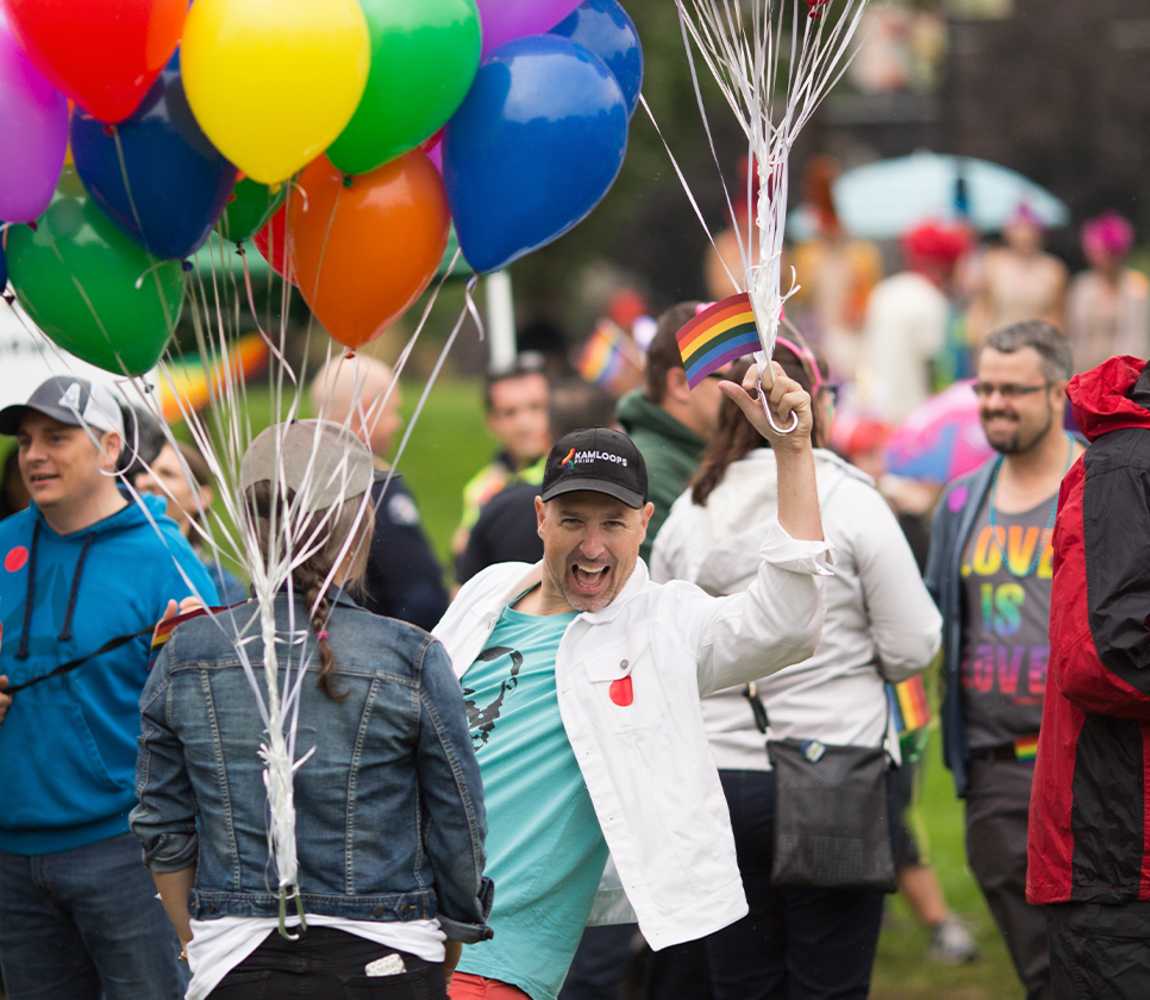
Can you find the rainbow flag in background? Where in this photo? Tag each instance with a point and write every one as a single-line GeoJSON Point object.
{"type": "Point", "coordinates": [196, 383]}
{"type": "Point", "coordinates": [717, 336]}
{"type": "Point", "coordinates": [601, 359]}
{"type": "Point", "coordinates": [909, 705]}
{"type": "Point", "coordinates": [1026, 748]}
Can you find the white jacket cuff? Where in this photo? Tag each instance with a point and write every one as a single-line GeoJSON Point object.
{"type": "Point", "coordinates": [795, 554]}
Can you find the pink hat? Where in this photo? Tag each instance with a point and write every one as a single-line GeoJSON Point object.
{"type": "Point", "coordinates": [1109, 233]}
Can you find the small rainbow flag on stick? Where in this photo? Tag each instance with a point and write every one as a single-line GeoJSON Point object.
{"type": "Point", "coordinates": [909, 705]}
{"type": "Point", "coordinates": [717, 336]}
{"type": "Point", "coordinates": [606, 355]}
{"type": "Point", "coordinates": [1026, 748]}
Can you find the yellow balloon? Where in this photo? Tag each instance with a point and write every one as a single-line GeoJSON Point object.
{"type": "Point", "coordinates": [273, 82]}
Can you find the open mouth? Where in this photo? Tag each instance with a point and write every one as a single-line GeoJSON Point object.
{"type": "Point", "coordinates": [41, 479]}
{"type": "Point", "coordinates": [589, 579]}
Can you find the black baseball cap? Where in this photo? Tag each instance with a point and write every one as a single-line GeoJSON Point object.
{"type": "Point", "coordinates": [599, 460]}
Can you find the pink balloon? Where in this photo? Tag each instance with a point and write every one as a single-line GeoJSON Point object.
{"type": "Point", "coordinates": [505, 20]}
{"type": "Point", "coordinates": [433, 147]}
{"type": "Point", "coordinates": [34, 123]}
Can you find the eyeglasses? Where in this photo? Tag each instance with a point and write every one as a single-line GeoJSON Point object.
{"type": "Point", "coordinates": [1007, 390]}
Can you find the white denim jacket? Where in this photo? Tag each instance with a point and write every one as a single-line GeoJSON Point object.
{"type": "Point", "coordinates": [647, 764]}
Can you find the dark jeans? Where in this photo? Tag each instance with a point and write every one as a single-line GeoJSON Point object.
{"type": "Point", "coordinates": [1099, 952]}
{"type": "Point", "coordinates": [997, 813]}
{"type": "Point", "coordinates": [86, 924]}
{"type": "Point", "coordinates": [795, 943]}
{"type": "Point", "coordinates": [326, 964]}
{"type": "Point", "coordinates": [605, 964]}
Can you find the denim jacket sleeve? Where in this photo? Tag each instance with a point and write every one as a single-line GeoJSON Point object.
{"type": "Point", "coordinates": [164, 818]}
{"type": "Point", "coordinates": [452, 794]}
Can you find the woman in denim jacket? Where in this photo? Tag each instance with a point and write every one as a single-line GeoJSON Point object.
{"type": "Point", "coordinates": [389, 810]}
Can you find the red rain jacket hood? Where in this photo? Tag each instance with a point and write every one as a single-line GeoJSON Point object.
{"type": "Point", "coordinates": [1109, 398]}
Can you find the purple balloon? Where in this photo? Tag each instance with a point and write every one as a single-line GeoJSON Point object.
{"type": "Point", "coordinates": [34, 122]}
{"type": "Point", "coordinates": [505, 20]}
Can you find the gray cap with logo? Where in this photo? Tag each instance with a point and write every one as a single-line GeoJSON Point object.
{"type": "Point", "coordinates": [70, 400]}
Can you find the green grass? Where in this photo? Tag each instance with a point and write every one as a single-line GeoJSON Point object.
{"type": "Point", "coordinates": [903, 971]}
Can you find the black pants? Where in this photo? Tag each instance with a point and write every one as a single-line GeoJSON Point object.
{"type": "Point", "coordinates": [1099, 952]}
{"type": "Point", "coordinates": [326, 964]}
{"type": "Point", "coordinates": [997, 817]}
{"type": "Point", "coordinates": [606, 964]}
{"type": "Point", "coordinates": [795, 944]}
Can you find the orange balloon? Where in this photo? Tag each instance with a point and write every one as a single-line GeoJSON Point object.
{"type": "Point", "coordinates": [366, 247]}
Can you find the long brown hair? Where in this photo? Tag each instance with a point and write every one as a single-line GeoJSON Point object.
{"type": "Point", "coordinates": [735, 438]}
{"type": "Point", "coordinates": [349, 521]}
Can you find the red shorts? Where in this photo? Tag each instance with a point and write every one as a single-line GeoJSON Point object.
{"type": "Point", "coordinates": [465, 986]}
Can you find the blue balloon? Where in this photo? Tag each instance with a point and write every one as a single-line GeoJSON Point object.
{"type": "Point", "coordinates": [605, 28]}
{"type": "Point", "coordinates": [179, 184]}
{"type": "Point", "coordinates": [533, 149]}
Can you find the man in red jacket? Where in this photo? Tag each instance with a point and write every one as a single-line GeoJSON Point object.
{"type": "Point", "coordinates": [1089, 844]}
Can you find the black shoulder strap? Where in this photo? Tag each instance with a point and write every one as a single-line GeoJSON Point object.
{"type": "Point", "coordinates": [759, 710]}
{"type": "Point", "coordinates": [79, 661]}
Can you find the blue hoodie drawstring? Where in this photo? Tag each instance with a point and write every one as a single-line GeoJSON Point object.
{"type": "Point", "coordinates": [66, 632]}
{"type": "Point", "coordinates": [29, 594]}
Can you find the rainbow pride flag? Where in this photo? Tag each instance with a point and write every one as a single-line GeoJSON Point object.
{"type": "Point", "coordinates": [717, 336]}
{"type": "Point", "coordinates": [1026, 748]}
{"type": "Point", "coordinates": [909, 705]}
{"type": "Point", "coordinates": [601, 359]}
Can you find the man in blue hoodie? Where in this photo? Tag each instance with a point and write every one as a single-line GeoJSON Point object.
{"type": "Point", "coordinates": [81, 568]}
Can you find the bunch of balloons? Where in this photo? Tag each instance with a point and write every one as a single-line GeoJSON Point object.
{"type": "Point", "coordinates": [344, 137]}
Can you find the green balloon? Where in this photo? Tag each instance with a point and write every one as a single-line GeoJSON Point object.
{"type": "Point", "coordinates": [250, 206]}
{"type": "Point", "coordinates": [424, 56]}
{"type": "Point", "coordinates": [76, 273]}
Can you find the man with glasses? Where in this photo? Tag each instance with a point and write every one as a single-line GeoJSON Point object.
{"type": "Point", "coordinates": [990, 573]}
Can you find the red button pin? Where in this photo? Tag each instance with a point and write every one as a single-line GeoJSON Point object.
{"type": "Point", "coordinates": [16, 559]}
{"type": "Point", "coordinates": [622, 691]}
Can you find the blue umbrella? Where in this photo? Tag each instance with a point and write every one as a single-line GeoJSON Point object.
{"type": "Point", "coordinates": [885, 199]}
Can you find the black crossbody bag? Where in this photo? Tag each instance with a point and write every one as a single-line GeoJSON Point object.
{"type": "Point", "coordinates": [832, 827]}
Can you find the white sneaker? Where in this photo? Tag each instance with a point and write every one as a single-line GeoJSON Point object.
{"type": "Point", "coordinates": [951, 943]}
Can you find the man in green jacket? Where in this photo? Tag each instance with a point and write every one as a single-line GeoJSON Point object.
{"type": "Point", "coordinates": [669, 422]}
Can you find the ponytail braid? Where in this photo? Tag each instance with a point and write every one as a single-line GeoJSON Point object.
{"type": "Point", "coordinates": [310, 583]}
{"type": "Point", "coordinates": [308, 578]}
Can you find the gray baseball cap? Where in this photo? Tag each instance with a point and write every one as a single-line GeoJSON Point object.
{"type": "Point", "coordinates": [341, 466]}
{"type": "Point", "coordinates": [74, 401]}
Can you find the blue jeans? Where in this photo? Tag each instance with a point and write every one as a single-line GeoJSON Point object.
{"type": "Point", "coordinates": [85, 924]}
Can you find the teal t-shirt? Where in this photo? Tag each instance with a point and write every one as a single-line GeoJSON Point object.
{"type": "Point", "coordinates": [545, 850]}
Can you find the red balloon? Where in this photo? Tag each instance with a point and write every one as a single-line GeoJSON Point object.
{"type": "Point", "coordinates": [272, 243]}
{"type": "Point", "coordinates": [104, 54]}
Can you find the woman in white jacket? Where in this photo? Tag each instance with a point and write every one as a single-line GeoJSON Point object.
{"type": "Point", "coordinates": [881, 625]}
